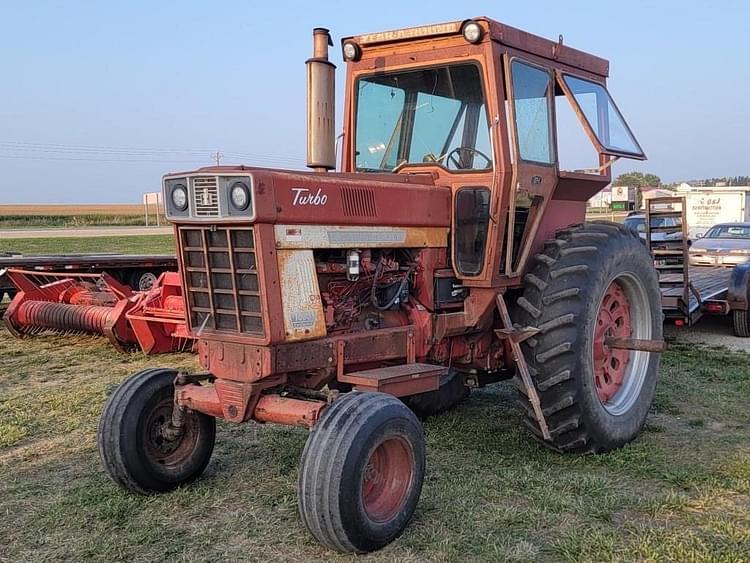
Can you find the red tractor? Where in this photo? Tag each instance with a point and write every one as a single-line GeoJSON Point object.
{"type": "Point", "coordinates": [449, 251]}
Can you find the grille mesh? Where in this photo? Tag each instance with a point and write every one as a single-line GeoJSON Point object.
{"type": "Point", "coordinates": [223, 283]}
{"type": "Point", "coordinates": [205, 194]}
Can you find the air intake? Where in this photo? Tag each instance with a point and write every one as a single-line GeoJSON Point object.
{"type": "Point", "coordinates": [358, 202]}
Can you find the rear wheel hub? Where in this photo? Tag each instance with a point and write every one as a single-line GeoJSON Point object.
{"type": "Point", "coordinates": [610, 364]}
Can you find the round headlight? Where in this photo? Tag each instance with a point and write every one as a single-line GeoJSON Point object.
{"type": "Point", "coordinates": [179, 197]}
{"type": "Point", "coordinates": [351, 51]}
{"type": "Point", "coordinates": [472, 32]}
{"type": "Point", "coordinates": [240, 196]}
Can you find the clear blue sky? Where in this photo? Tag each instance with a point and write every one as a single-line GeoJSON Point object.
{"type": "Point", "coordinates": [146, 77]}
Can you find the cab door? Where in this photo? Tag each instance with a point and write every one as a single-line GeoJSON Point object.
{"type": "Point", "coordinates": [531, 90]}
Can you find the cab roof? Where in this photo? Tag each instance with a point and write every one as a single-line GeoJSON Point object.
{"type": "Point", "coordinates": [498, 32]}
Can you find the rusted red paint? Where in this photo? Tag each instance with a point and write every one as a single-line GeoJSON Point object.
{"type": "Point", "coordinates": [387, 478]}
{"type": "Point", "coordinates": [230, 401]}
{"type": "Point", "coordinates": [612, 321]}
{"type": "Point", "coordinates": [99, 304]}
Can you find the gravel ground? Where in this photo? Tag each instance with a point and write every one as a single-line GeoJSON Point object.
{"type": "Point", "coordinates": [709, 331]}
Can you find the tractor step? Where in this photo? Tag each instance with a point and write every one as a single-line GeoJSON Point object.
{"type": "Point", "coordinates": [401, 380]}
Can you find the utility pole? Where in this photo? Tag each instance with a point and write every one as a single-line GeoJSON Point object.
{"type": "Point", "coordinates": [217, 156]}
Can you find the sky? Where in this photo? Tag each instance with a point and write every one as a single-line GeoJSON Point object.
{"type": "Point", "coordinates": [99, 99]}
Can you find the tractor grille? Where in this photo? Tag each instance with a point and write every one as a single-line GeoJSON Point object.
{"type": "Point", "coordinates": [205, 194]}
{"type": "Point", "coordinates": [223, 283]}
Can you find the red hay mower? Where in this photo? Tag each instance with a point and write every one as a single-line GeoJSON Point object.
{"type": "Point", "coordinates": [448, 252]}
{"type": "Point", "coordinates": [70, 303]}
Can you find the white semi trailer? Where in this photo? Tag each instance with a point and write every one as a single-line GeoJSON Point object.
{"type": "Point", "coordinates": [707, 207]}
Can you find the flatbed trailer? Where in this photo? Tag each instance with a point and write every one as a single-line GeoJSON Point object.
{"type": "Point", "coordinates": [138, 271]}
{"type": "Point", "coordinates": [689, 292]}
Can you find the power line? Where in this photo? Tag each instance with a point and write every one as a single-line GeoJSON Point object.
{"type": "Point", "coordinates": [75, 152]}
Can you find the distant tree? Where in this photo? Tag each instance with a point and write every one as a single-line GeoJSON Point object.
{"type": "Point", "coordinates": [631, 179]}
{"type": "Point", "coordinates": [652, 180]}
{"type": "Point", "coordinates": [638, 180]}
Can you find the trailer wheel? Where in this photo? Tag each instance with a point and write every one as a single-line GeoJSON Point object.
{"type": "Point", "coordinates": [362, 472]}
{"type": "Point", "coordinates": [741, 323]}
{"type": "Point", "coordinates": [132, 445]}
{"type": "Point", "coordinates": [450, 393]}
{"type": "Point", "coordinates": [595, 280]}
{"type": "Point", "coordinates": [142, 280]}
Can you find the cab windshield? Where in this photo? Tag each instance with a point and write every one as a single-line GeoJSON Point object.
{"type": "Point", "coordinates": [429, 115]}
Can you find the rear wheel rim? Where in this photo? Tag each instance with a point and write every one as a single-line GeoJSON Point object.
{"type": "Point", "coordinates": [146, 281]}
{"type": "Point", "coordinates": [624, 312]}
{"type": "Point", "coordinates": [387, 479]}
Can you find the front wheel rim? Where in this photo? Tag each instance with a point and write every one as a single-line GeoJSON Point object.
{"type": "Point", "coordinates": [624, 312]}
{"type": "Point", "coordinates": [387, 479]}
{"type": "Point", "coordinates": [162, 451]}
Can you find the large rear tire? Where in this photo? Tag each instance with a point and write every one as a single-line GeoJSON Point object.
{"type": "Point", "coordinates": [132, 445]}
{"type": "Point", "coordinates": [450, 393]}
{"type": "Point", "coordinates": [593, 281]}
{"type": "Point", "coordinates": [362, 472]}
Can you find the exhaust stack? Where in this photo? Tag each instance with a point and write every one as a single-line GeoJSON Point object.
{"type": "Point", "coordinates": [321, 137]}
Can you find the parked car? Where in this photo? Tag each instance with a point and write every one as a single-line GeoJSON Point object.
{"type": "Point", "coordinates": [637, 222]}
{"type": "Point", "coordinates": [726, 244]}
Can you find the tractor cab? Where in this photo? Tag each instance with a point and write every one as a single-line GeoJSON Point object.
{"type": "Point", "coordinates": [482, 108]}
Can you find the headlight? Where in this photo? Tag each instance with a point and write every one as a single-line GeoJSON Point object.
{"type": "Point", "coordinates": [179, 197]}
{"type": "Point", "coordinates": [472, 32]}
{"type": "Point", "coordinates": [351, 51]}
{"type": "Point", "coordinates": [240, 196]}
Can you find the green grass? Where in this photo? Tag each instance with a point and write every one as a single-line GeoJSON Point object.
{"type": "Point", "coordinates": [681, 492]}
{"type": "Point", "coordinates": [134, 244]}
{"type": "Point", "coordinates": [73, 221]}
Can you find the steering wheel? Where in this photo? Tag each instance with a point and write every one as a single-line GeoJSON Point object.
{"type": "Point", "coordinates": [454, 158]}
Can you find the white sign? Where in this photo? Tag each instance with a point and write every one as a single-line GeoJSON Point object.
{"type": "Point", "coordinates": [152, 198]}
{"type": "Point", "coordinates": [620, 193]}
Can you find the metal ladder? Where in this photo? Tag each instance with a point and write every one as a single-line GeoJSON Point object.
{"type": "Point", "coordinates": [671, 255]}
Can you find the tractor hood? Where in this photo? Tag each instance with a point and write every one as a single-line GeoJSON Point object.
{"type": "Point", "coordinates": [292, 197]}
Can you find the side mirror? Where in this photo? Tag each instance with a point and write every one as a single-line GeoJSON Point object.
{"type": "Point", "coordinates": [700, 235]}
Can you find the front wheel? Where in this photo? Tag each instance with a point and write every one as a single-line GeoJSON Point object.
{"type": "Point", "coordinates": [134, 445]}
{"type": "Point", "coordinates": [594, 282]}
{"type": "Point", "coordinates": [362, 472]}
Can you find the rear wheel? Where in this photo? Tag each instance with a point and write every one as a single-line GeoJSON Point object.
{"type": "Point", "coordinates": [142, 280]}
{"type": "Point", "coordinates": [593, 282]}
{"type": "Point", "coordinates": [134, 445]}
{"type": "Point", "coordinates": [362, 472]}
{"type": "Point", "coordinates": [741, 323]}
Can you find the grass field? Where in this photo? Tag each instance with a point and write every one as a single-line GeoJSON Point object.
{"type": "Point", "coordinates": [30, 216]}
{"type": "Point", "coordinates": [679, 493]}
{"type": "Point", "coordinates": [147, 244]}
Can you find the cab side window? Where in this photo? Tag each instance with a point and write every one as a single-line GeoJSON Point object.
{"type": "Point", "coordinates": [532, 112]}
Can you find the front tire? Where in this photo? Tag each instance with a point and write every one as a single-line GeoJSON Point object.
{"type": "Point", "coordinates": [362, 472]}
{"type": "Point", "coordinates": [594, 281]}
{"type": "Point", "coordinates": [132, 446]}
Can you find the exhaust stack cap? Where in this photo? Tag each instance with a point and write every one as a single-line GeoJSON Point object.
{"type": "Point", "coordinates": [321, 103]}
